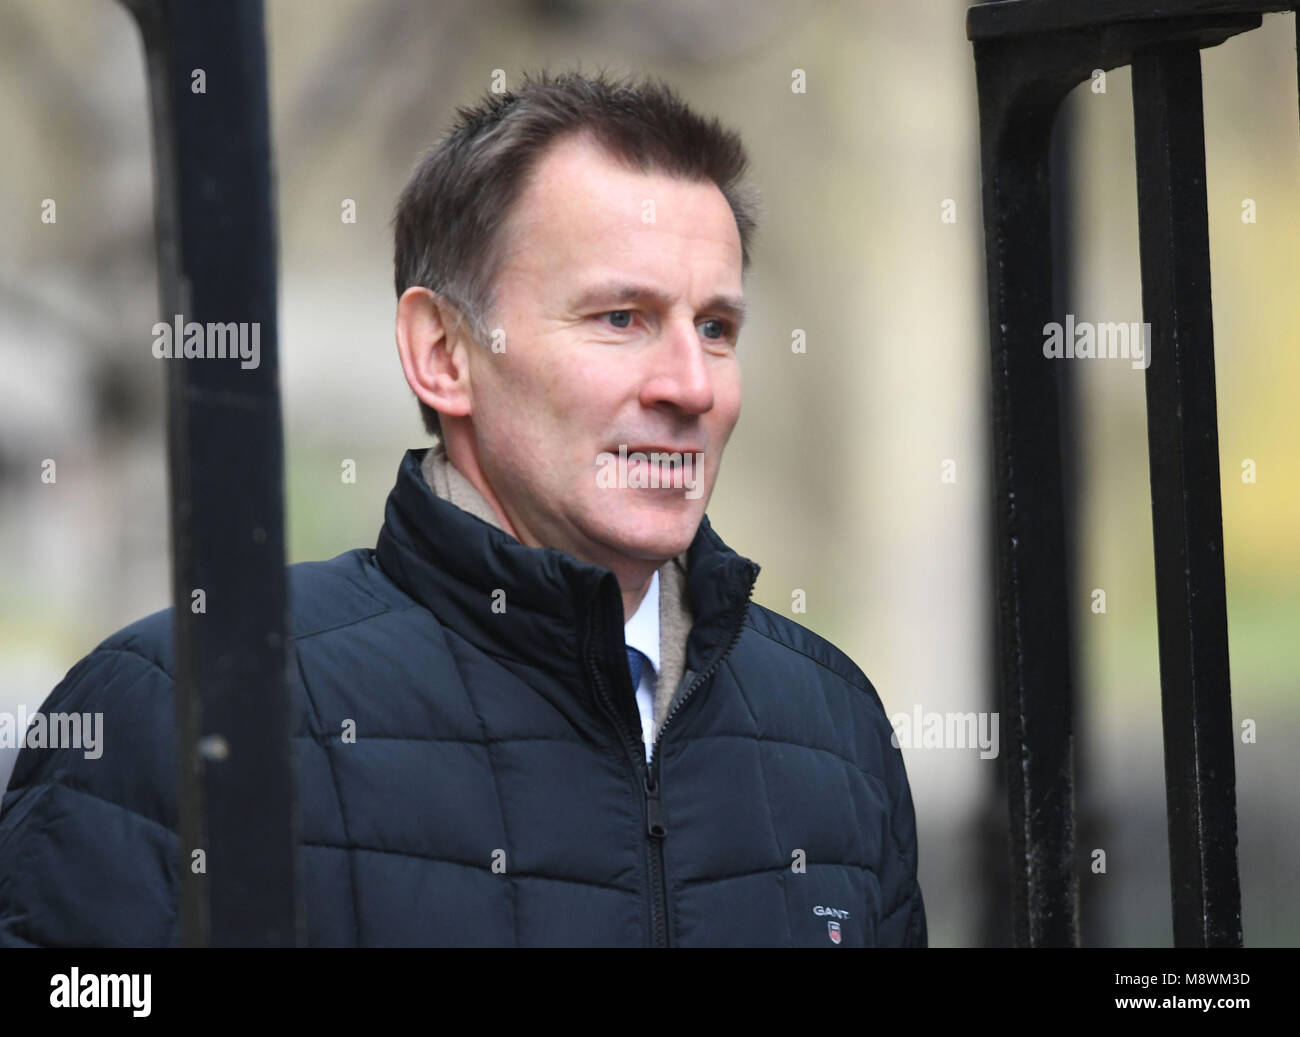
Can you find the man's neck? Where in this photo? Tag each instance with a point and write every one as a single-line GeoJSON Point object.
{"type": "Point", "coordinates": [632, 597]}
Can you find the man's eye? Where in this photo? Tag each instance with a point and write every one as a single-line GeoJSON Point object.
{"type": "Point", "coordinates": [617, 315]}
{"type": "Point", "coordinates": [723, 329]}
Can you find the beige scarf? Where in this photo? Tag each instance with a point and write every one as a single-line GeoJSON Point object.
{"type": "Point", "coordinates": [675, 618]}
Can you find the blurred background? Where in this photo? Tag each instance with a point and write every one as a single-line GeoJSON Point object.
{"type": "Point", "coordinates": [834, 479]}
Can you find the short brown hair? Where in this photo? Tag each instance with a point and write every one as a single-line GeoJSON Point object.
{"type": "Point", "coordinates": [449, 220]}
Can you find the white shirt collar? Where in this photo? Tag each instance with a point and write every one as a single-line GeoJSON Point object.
{"type": "Point", "coordinates": [642, 630]}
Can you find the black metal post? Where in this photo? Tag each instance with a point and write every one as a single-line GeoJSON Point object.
{"type": "Point", "coordinates": [1182, 436]}
{"type": "Point", "coordinates": [1033, 617]}
{"type": "Point", "coordinates": [217, 267]}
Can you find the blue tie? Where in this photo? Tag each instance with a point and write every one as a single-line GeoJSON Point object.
{"type": "Point", "coordinates": [636, 661]}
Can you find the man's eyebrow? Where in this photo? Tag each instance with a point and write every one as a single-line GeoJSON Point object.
{"type": "Point", "coordinates": [614, 292]}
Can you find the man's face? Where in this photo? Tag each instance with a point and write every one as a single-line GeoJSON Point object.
{"type": "Point", "coordinates": [618, 334]}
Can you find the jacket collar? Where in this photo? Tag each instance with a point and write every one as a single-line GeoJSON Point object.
{"type": "Point", "coordinates": [540, 607]}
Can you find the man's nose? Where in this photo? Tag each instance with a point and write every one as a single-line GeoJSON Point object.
{"type": "Point", "coordinates": [681, 374]}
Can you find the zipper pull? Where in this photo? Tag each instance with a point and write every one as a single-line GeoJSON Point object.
{"type": "Point", "coordinates": [655, 825]}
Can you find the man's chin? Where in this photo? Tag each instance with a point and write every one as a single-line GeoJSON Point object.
{"type": "Point", "coordinates": [660, 535]}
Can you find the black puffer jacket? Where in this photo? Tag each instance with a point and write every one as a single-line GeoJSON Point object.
{"type": "Point", "coordinates": [775, 811]}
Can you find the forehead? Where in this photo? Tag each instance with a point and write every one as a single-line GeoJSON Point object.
{"type": "Point", "coordinates": [583, 208]}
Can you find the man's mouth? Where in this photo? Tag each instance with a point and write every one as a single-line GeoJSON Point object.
{"type": "Point", "coordinates": [654, 466]}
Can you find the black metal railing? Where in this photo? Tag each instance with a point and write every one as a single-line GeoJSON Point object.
{"type": "Point", "coordinates": [215, 213]}
{"type": "Point", "coordinates": [1029, 54]}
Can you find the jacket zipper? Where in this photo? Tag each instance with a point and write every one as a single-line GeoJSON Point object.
{"type": "Point", "coordinates": [636, 755]}
{"type": "Point", "coordinates": [648, 772]}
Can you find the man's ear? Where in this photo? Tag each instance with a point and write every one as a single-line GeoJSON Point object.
{"type": "Point", "coordinates": [436, 363]}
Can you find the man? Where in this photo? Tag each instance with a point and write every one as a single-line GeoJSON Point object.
{"type": "Point", "coordinates": [570, 725]}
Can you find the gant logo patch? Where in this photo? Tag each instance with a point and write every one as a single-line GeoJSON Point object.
{"type": "Point", "coordinates": [833, 930]}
